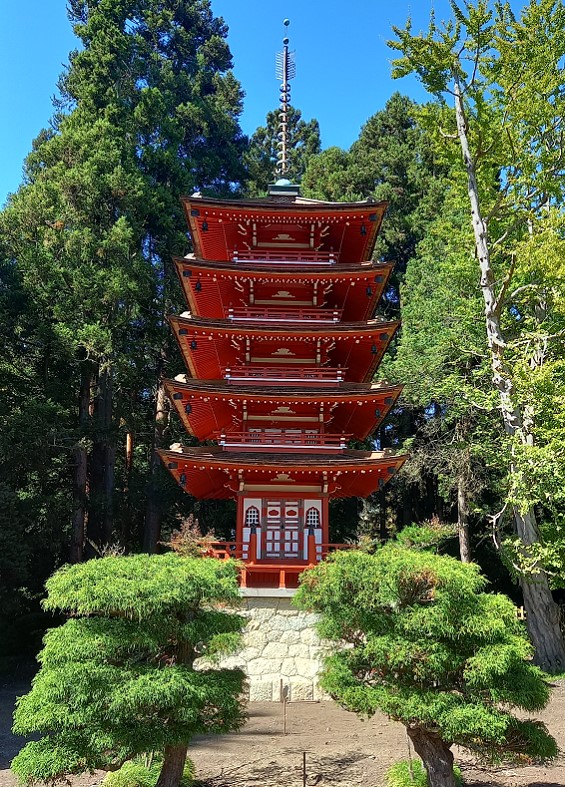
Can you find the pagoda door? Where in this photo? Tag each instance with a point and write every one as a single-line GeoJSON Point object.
{"type": "Point", "coordinates": [282, 533]}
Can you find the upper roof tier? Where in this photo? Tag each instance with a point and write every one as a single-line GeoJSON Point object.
{"type": "Point", "coordinates": [220, 289]}
{"type": "Point", "coordinates": [292, 229]}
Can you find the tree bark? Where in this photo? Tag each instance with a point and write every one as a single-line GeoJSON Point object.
{"type": "Point", "coordinates": [436, 756]}
{"type": "Point", "coordinates": [102, 465]}
{"type": "Point", "coordinates": [173, 766]}
{"type": "Point", "coordinates": [463, 522]}
{"type": "Point", "coordinates": [153, 512]}
{"type": "Point", "coordinates": [541, 609]}
{"type": "Point", "coordinates": [80, 468]}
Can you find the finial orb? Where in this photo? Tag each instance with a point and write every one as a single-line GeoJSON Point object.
{"type": "Point", "coordinates": [286, 22]}
{"type": "Point", "coordinates": [285, 41]}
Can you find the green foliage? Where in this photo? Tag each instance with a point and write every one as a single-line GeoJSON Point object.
{"type": "Point", "coordinates": [428, 535]}
{"type": "Point", "coordinates": [512, 128]}
{"type": "Point", "coordinates": [261, 155]}
{"type": "Point", "coordinates": [147, 110]}
{"type": "Point", "coordinates": [136, 773]}
{"type": "Point", "coordinates": [413, 774]}
{"type": "Point", "coordinates": [117, 679]}
{"type": "Point", "coordinates": [427, 646]}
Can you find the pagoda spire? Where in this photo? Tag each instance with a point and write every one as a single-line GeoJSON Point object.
{"type": "Point", "coordinates": [285, 71]}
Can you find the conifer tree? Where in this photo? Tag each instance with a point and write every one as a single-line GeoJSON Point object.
{"type": "Point", "coordinates": [148, 109]}
{"type": "Point", "coordinates": [118, 678]}
{"type": "Point", "coordinates": [261, 156]}
{"type": "Point", "coordinates": [418, 639]}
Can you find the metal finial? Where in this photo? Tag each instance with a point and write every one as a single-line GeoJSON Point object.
{"type": "Point", "coordinates": [285, 71]}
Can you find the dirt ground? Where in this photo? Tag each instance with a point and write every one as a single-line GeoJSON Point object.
{"type": "Point", "coordinates": [341, 750]}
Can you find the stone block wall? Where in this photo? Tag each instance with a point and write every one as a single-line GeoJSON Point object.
{"type": "Point", "coordinates": [281, 649]}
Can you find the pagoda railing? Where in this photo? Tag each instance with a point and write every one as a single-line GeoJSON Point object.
{"type": "Point", "coordinates": [285, 573]}
{"type": "Point", "coordinates": [273, 375]}
{"type": "Point", "coordinates": [290, 256]}
{"type": "Point", "coordinates": [284, 315]}
{"type": "Point", "coordinates": [264, 441]}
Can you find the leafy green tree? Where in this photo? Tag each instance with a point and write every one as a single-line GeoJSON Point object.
{"type": "Point", "coordinates": [118, 678]}
{"type": "Point", "coordinates": [441, 361]}
{"type": "Point", "coordinates": [425, 645]}
{"type": "Point", "coordinates": [509, 134]}
{"type": "Point", "coordinates": [261, 156]}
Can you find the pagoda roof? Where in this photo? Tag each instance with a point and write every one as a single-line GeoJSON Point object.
{"type": "Point", "coordinates": [222, 229]}
{"type": "Point", "coordinates": [209, 472]}
{"type": "Point", "coordinates": [352, 408]}
{"type": "Point", "coordinates": [210, 287]}
{"type": "Point", "coordinates": [208, 345]}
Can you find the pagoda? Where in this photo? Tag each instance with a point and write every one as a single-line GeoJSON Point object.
{"type": "Point", "coordinates": [281, 345]}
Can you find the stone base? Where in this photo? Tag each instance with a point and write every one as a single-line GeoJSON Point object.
{"type": "Point", "coordinates": [281, 649]}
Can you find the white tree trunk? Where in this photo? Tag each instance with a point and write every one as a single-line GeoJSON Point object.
{"type": "Point", "coordinates": [542, 613]}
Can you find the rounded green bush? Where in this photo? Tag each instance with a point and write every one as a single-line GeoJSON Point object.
{"type": "Point", "coordinates": [399, 775]}
{"type": "Point", "coordinates": [136, 774]}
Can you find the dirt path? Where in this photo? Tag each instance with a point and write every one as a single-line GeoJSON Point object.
{"type": "Point", "coordinates": [341, 750]}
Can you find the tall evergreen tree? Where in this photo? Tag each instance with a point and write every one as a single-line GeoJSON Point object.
{"type": "Point", "coordinates": [148, 109]}
{"type": "Point", "coordinates": [395, 160]}
{"type": "Point", "coordinates": [261, 155]}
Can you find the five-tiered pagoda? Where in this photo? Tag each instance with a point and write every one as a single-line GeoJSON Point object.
{"type": "Point", "coordinates": [281, 347]}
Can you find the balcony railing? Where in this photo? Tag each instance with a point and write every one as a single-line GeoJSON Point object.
{"type": "Point", "coordinates": [279, 573]}
{"type": "Point", "coordinates": [289, 256]}
{"type": "Point", "coordinates": [284, 315]}
{"type": "Point", "coordinates": [275, 375]}
{"type": "Point", "coordinates": [305, 442]}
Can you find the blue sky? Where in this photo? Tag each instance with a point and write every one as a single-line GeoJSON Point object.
{"type": "Point", "coordinates": [343, 63]}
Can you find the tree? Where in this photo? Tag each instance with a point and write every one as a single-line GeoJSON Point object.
{"type": "Point", "coordinates": [118, 678]}
{"type": "Point", "coordinates": [427, 646]}
{"type": "Point", "coordinates": [505, 79]}
{"type": "Point", "coordinates": [440, 359]}
{"type": "Point", "coordinates": [392, 160]}
{"type": "Point", "coordinates": [148, 109]}
{"type": "Point", "coordinates": [261, 156]}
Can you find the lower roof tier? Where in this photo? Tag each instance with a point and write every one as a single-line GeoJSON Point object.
{"type": "Point", "coordinates": [208, 407]}
{"type": "Point", "coordinates": [208, 472]}
{"type": "Point", "coordinates": [209, 346]}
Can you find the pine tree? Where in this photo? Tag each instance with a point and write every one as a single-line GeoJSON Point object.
{"type": "Point", "coordinates": [118, 678]}
{"type": "Point", "coordinates": [417, 638]}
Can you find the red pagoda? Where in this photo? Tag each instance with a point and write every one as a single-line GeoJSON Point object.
{"type": "Point", "coordinates": [281, 347]}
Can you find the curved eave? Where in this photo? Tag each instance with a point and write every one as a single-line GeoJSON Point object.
{"type": "Point", "coordinates": [210, 288]}
{"type": "Point", "coordinates": [355, 410]}
{"type": "Point", "coordinates": [211, 473]}
{"type": "Point", "coordinates": [209, 346]}
{"type": "Point", "coordinates": [216, 226]}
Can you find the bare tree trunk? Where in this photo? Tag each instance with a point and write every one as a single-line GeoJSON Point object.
{"type": "Point", "coordinates": [173, 766]}
{"type": "Point", "coordinates": [436, 756]}
{"type": "Point", "coordinates": [103, 461]}
{"type": "Point", "coordinates": [540, 606]}
{"type": "Point", "coordinates": [127, 517]}
{"type": "Point", "coordinates": [463, 522]}
{"type": "Point", "coordinates": [80, 467]}
{"type": "Point", "coordinates": [153, 512]}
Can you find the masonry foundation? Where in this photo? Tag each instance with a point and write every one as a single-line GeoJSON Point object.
{"type": "Point", "coordinates": [281, 649]}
